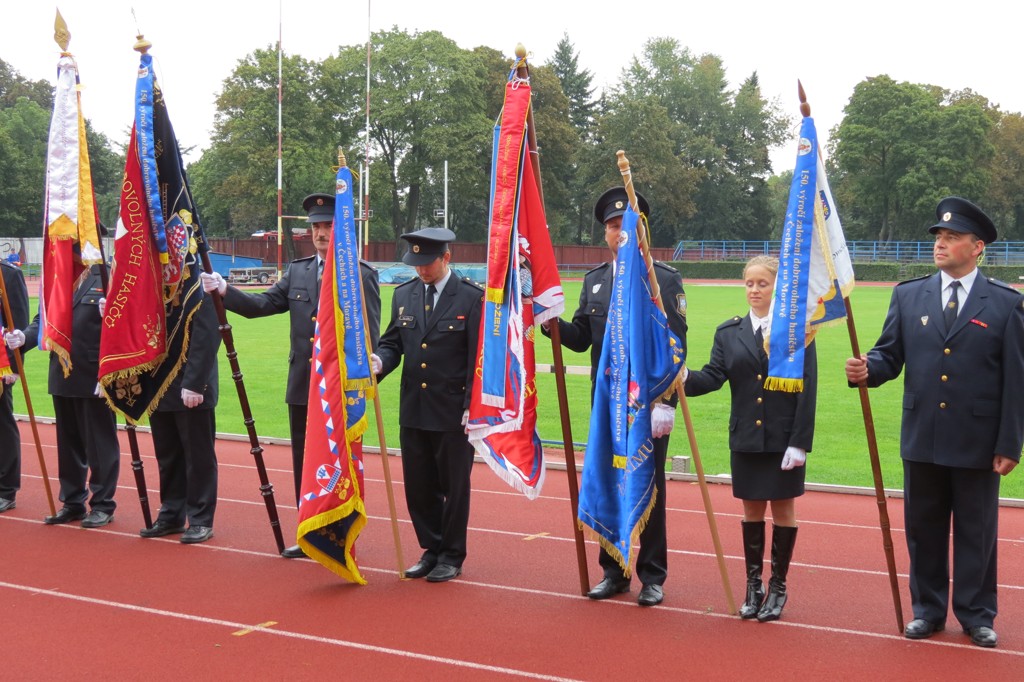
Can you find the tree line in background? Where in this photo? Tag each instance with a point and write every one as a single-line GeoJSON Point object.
{"type": "Point", "coordinates": [699, 150]}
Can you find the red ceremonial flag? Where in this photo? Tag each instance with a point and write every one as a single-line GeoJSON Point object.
{"type": "Point", "coordinates": [523, 290]}
{"type": "Point", "coordinates": [70, 235]}
{"type": "Point", "coordinates": [331, 509]}
{"type": "Point", "coordinates": [134, 335]}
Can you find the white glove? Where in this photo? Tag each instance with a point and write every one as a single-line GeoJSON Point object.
{"type": "Point", "coordinates": [663, 418]}
{"type": "Point", "coordinates": [375, 364]}
{"type": "Point", "coordinates": [191, 398]}
{"type": "Point", "coordinates": [794, 457]}
{"type": "Point", "coordinates": [10, 378]}
{"type": "Point", "coordinates": [686, 373]}
{"type": "Point", "coordinates": [465, 417]}
{"type": "Point", "coordinates": [14, 339]}
{"type": "Point", "coordinates": [102, 305]}
{"type": "Point", "coordinates": [98, 391]}
{"type": "Point", "coordinates": [213, 282]}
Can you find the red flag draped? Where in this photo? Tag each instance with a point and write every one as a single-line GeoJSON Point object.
{"type": "Point", "coordinates": [331, 509]}
{"type": "Point", "coordinates": [134, 324]}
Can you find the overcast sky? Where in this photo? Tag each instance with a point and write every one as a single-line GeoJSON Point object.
{"type": "Point", "coordinates": [830, 47]}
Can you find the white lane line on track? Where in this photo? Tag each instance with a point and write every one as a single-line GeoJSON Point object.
{"type": "Point", "coordinates": [573, 596]}
{"type": "Point", "coordinates": [235, 626]}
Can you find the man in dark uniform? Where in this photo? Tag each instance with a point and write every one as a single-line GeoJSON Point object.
{"type": "Point", "coordinates": [960, 337]}
{"type": "Point", "coordinates": [435, 324]}
{"type": "Point", "coordinates": [587, 331]}
{"type": "Point", "coordinates": [86, 427]}
{"type": "Point", "coordinates": [10, 438]}
{"type": "Point", "coordinates": [184, 429]}
{"type": "Point", "coordinates": [298, 293]}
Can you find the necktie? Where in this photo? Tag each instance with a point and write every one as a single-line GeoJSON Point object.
{"type": "Point", "coordinates": [950, 311]}
{"type": "Point", "coordinates": [428, 304]}
{"type": "Point", "coordinates": [319, 270]}
{"type": "Point", "coordinates": [759, 342]}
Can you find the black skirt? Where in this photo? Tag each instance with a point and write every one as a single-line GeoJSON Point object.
{"type": "Point", "coordinates": [757, 476]}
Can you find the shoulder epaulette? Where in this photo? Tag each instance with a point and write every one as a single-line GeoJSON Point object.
{"type": "Point", "coordinates": [367, 264]}
{"type": "Point", "coordinates": [6, 264]}
{"type": "Point", "coordinates": [915, 279]}
{"type": "Point", "coordinates": [1001, 284]}
{"type": "Point", "coordinates": [731, 322]}
{"type": "Point", "coordinates": [473, 284]}
{"type": "Point", "coordinates": [408, 282]}
{"type": "Point", "coordinates": [595, 269]}
{"type": "Point", "coordinates": [300, 260]}
{"type": "Point", "coordinates": [664, 266]}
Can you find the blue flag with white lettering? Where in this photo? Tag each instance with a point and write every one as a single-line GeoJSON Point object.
{"type": "Point", "coordinates": [640, 360]}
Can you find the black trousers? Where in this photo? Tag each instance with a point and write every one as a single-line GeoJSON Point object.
{"type": "Point", "coordinates": [652, 559]}
{"type": "Point", "coordinates": [184, 445]}
{"type": "Point", "coordinates": [933, 495]}
{"type": "Point", "coordinates": [297, 428]}
{"type": "Point", "coordinates": [436, 467]}
{"type": "Point", "coordinates": [10, 445]}
{"type": "Point", "coordinates": [86, 442]}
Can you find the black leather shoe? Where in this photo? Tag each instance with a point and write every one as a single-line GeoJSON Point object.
{"type": "Point", "coordinates": [609, 587]}
{"type": "Point", "coordinates": [64, 515]}
{"type": "Point", "coordinates": [919, 628]}
{"type": "Point", "coordinates": [160, 529]}
{"type": "Point", "coordinates": [420, 569]}
{"type": "Point", "coordinates": [982, 635]}
{"type": "Point", "coordinates": [97, 519]}
{"type": "Point", "coordinates": [6, 505]}
{"type": "Point", "coordinates": [442, 573]}
{"type": "Point", "coordinates": [293, 552]}
{"type": "Point", "coordinates": [650, 595]}
{"type": "Point", "coordinates": [196, 534]}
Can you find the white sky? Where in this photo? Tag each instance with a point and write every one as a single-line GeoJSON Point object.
{"type": "Point", "coordinates": [196, 44]}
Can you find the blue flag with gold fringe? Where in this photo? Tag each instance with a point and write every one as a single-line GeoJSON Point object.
{"type": "Point", "coordinates": [640, 360]}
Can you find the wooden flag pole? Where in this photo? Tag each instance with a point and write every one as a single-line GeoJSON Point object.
{"type": "Point", "coordinates": [389, 486]}
{"type": "Point", "coordinates": [9, 324]}
{"type": "Point", "coordinates": [523, 72]}
{"type": "Point", "coordinates": [869, 430]}
{"type": "Point", "coordinates": [627, 179]}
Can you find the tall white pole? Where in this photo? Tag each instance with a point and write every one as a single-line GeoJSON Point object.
{"type": "Point", "coordinates": [446, 193]}
{"type": "Point", "coordinates": [280, 173]}
{"type": "Point", "coordinates": [366, 160]}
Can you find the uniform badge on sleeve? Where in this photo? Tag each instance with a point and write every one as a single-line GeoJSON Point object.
{"type": "Point", "coordinates": [681, 304]}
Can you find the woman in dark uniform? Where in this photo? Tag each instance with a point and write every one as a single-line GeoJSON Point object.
{"type": "Point", "coordinates": [770, 433]}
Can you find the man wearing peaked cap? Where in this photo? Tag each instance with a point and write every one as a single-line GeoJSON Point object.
{"type": "Point", "coordinates": [88, 452]}
{"type": "Point", "coordinates": [959, 336]}
{"type": "Point", "coordinates": [587, 331]}
{"type": "Point", "coordinates": [435, 325]}
{"type": "Point", "coordinates": [298, 294]}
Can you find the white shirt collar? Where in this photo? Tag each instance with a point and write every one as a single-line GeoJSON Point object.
{"type": "Point", "coordinates": [762, 322]}
{"type": "Point", "coordinates": [439, 285]}
{"type": "Point", "coordinates": [967, 281]}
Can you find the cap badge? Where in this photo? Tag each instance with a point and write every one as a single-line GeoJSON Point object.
{"type": "Point", "coordinates": [947, 216]}
{"type": "Point", "coordinates": [319, 202]}
{"type": "Point", "coordinates": [618, 205]}
{"type": "Point", "coordinates": [415, 248]}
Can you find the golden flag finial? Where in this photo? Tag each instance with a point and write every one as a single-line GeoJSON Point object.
{"type": "Point", "coordinates": [341, 158]}
{"type": "Point", "coordinates": [61, 34]}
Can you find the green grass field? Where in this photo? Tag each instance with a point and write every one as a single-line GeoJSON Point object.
{"type": "Point", "coordinates": [840, 446]}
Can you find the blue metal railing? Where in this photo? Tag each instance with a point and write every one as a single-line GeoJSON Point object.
{"type": "Point", "coordinates": [999, 253]}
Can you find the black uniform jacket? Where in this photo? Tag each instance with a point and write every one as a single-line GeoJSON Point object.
{"type": "Point", "coordinates": [85, 342]}
{"type": "Point", "coordinates": [440, 355]}
{"type": "Point", "coordinates": [198, 372]}
{"type": "Point", "coordinates": [588, 322]}
{"type": "Point", "coordinates": [962, 391]}
{"type": "Point", "coordinates": [298, 294]}
{"type": "Point", "coordinates": [17, 296]}
{"type": "Point", "coordinates": [761, 420]}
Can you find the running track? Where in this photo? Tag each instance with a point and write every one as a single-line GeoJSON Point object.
{"type": "Point", "coordinates": [106, 603]}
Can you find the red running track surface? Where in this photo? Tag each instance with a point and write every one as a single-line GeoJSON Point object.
{"type": "Point", "coordinates": [109, 604]}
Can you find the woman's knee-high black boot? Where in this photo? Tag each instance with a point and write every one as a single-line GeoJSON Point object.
{"type": "Point", "coordinates": [783, 540]}
{"type": "Point", "coordinates": [753, 550]}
